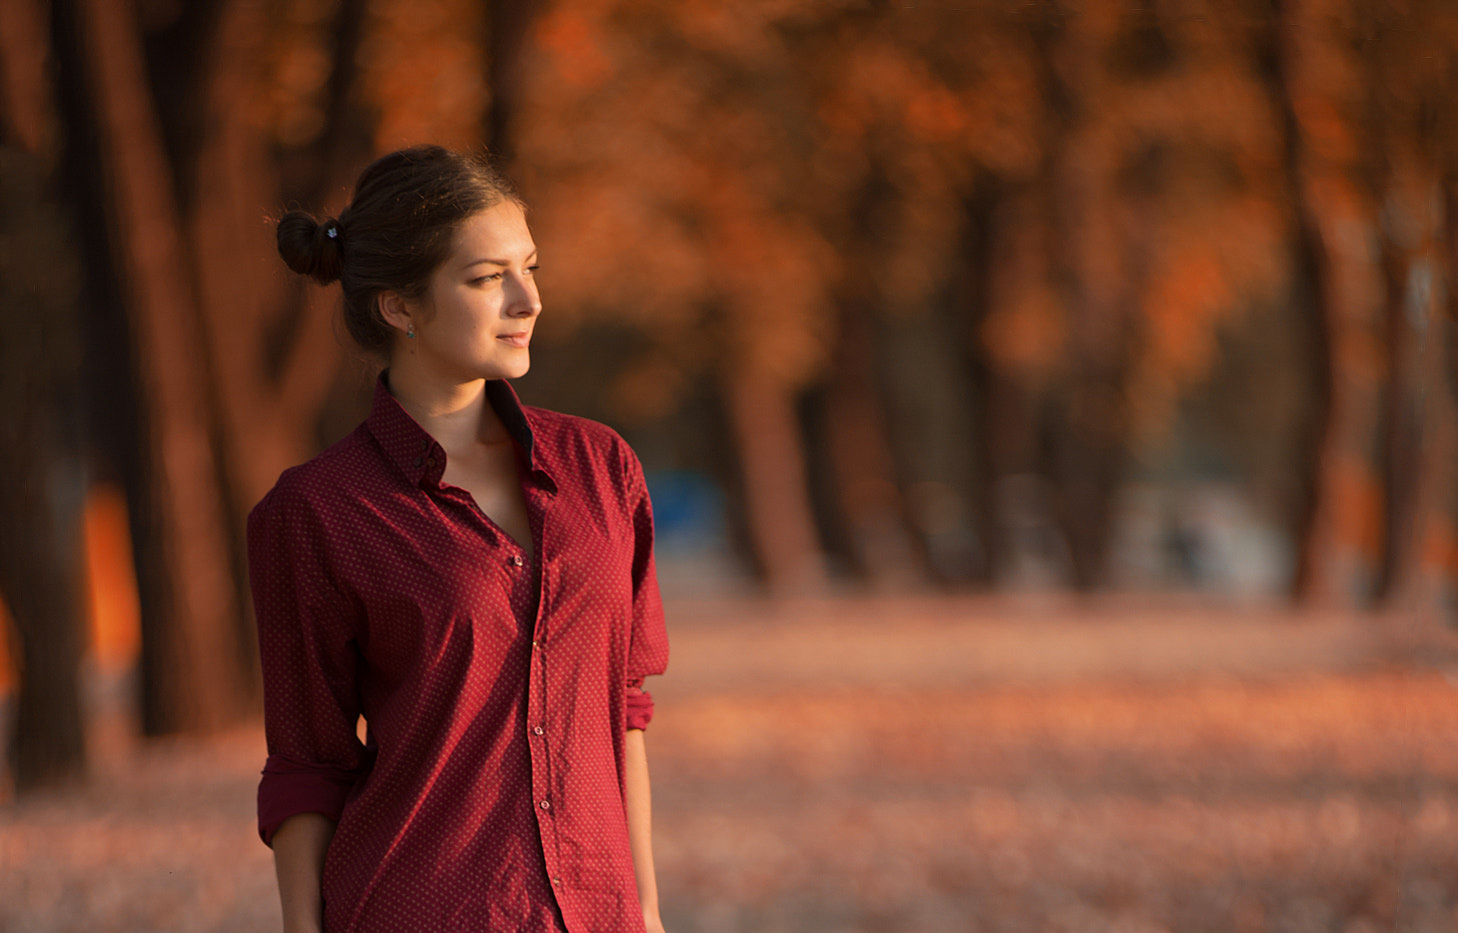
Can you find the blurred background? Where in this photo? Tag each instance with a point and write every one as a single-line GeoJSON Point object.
{"type": "Point", "coordinates": [1048, 409]}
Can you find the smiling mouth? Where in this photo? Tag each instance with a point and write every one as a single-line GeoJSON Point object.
{"type": "Point", "coordinates": [517, 340]}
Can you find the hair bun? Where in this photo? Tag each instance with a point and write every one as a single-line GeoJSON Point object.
{"type": "Point", "coordinates": [309, 247]}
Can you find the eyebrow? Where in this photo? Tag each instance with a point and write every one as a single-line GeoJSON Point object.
{"type": "Point", "coordinates": [496, 262]}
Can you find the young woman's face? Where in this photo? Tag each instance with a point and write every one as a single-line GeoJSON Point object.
{"type": "Point", "coordinates": [475, 320]}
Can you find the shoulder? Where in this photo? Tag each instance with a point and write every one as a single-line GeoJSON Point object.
{"type": "Point", "coordinates": [321, 484]}
{"type": "Point", "coordinates": [557, 430]}
{"type": "Point", "coordinates": [558, 427]}
{"type": "Point", "coordinates": [583, 444]}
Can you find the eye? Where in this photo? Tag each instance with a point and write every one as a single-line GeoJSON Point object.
{"type": "Point", "coordinates": [532, 269]}
{"type": "Point", "coordinates": [493, 277]}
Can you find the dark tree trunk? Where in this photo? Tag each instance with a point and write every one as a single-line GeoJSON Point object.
{"type": "Point", "coordinates": [1085, 424]}
{"type": "Point", "coordinates": [990, 394]}
{"type": "Point", "coordinates": [867, 496]}
{"type": "Point", "coordinates": [41, 570]}
{"type": "Point", "coordinates": [1446, 337]}
{"type": "Point", "coordinates": [510, 22]}
{"type": "Point", "coordinates": [781, 525]}
{"type": "Point", "coordinates": [1400, 457]}
{"type": "Point", "coordinates": [1404, 423]}
{"type": "Point", "coordinates": [1315, 446]}
{"type": "Point", "coordinates": [42, 577]}
{"type": "Point", "coordinates": [1085, 451]}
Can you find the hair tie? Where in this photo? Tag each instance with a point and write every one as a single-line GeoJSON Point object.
{"type": "Point", "coordinates": [331, 230]}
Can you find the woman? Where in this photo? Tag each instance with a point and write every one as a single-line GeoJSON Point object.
{"type": "Point", "coordinates": [474, 578]}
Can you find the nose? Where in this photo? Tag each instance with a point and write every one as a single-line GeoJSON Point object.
{"type": "Point", "coordinates": [523, 300]}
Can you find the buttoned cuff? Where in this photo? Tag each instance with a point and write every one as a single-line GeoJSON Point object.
{"type": "Point", "coordinates": [289, 788]}
{"type": "Point", "coordinates": [640, 707]}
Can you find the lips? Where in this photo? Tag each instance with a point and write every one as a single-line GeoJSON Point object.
{"type": "Point", "coordinates": [521, 339]}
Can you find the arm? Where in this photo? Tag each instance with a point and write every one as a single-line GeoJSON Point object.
{"type": "Point", "coordinates": [639, 802]}
{"type": "Point", "coordinates": [647, 656]}
{"type": "Point", "coordinates": [310, 697]}
{"type": "Point", "coordinates": [299, 845]}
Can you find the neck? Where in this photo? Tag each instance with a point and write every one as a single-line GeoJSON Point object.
{"type": "Point", "coordinates": [454, 413]}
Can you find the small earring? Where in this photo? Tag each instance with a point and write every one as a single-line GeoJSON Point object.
{"type": "Point", "coordinates": [411, 332]}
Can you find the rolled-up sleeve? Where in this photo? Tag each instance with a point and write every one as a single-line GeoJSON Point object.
{"type": "Point", "coordinates": [648, 649]}
{"type": "Point", "coordinates": [307, 651]}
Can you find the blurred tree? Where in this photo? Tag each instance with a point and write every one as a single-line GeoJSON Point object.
{"type": "Point", "coordinates": [509, 23]}
{"type": "Point", "coordinates": [1357, 89]}
{"type": "Point", "coordinates": [903, 257]}
{"type": "Point", "coordinates": [1407, 76]}
{"type": "Point", "coordinates": [191, 677]}
{"type": "Point", "coordinates": [699, 241]}
{"type": "Point", "coordinates": [1317, 88]}
{"type": "Point", "coordinates": [41, 448]}
{"type": "Point", "coordinates": [1085, 420]}
{"type": "Point", "coordinates": [903, 136]}
{"type": "Point", "coordinates": [41, 451]}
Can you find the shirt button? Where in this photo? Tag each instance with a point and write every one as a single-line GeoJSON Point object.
{"type": "Point", "coordinates": [516, 560]}
{"type": "Point", "coordinates": [539, 730]}
{"type": "Point", "coordinates": [556, 880]}
{"type": "Point", "coordinates": [419, 461]}
{"type": "Point", "coordinates": [546, 804]}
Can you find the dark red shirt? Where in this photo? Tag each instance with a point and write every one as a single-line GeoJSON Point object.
{"type": "Point", "coordinates": [496, 687]}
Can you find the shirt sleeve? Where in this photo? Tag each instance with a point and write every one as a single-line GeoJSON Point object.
{"type": "Point", "coordinates": [648, 650]}
{"type": "Point", "coordinates": [307, 651]}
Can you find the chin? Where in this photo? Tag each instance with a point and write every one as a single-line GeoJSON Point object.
{"type": "Point", "coordinates": [515, 370]}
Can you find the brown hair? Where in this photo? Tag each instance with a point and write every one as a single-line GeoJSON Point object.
{"type": "Point", "coordinates": [395, 233]}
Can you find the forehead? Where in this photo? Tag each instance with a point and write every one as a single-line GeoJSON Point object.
{"type": "Point", "coordinates": [498, 232]}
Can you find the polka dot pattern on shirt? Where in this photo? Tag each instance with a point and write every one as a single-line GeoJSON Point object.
{"type": "Point", "coordinates": [497, 682]}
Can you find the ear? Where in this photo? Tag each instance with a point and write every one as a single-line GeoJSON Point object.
{"type": "Point", "coordinates": [397, 310]}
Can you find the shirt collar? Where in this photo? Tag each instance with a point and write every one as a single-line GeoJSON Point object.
{"type": "Point", "coordinates": [420, 457]}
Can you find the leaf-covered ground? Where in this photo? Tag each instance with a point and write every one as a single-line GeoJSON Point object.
{"type": "Point", "coordinates": [915, 770]}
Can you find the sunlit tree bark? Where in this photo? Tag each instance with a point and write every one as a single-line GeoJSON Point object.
{"type": "Point", "coordinates": [190, 670]}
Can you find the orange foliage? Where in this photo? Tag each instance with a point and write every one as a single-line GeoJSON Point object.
{"type": "Point", "coordinates": [566, 38]}
{"type": "Point", "coordinates": [1189, 290]}
{"type": "Point", "coordinates": [713, 179]}
{"type": "Point", "coordinates": [424, 71]}
{"type": "Point", "coordinates": [1025, 334]}
{"type": "Point", "coordinates": [298, 67]}
{"type": "Point", "coordinates": [679, 194]}
{"type": "Point", "coordinates": [112, 610]}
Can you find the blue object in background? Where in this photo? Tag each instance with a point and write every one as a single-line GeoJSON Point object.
{"type": "Point", "coordinates": [688, 511]}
